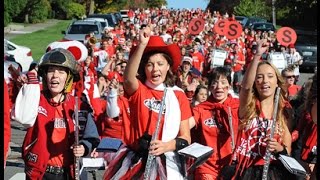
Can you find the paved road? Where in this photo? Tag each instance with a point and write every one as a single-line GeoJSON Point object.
{"type": "Point", "coordinates": [18, 29]}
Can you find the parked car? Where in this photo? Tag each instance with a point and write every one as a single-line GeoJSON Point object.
{"type": "Point", "coordinates": [78, 30]}
{"type": "Point", "coordinates": [262, 26]}
{"type": "Point", "coordinates": [124, 14]}
{"type": "Point", "coordinates": [306, 45]}
{"type": "Point", "coordinates": [104, 22]}
{"type": "Point", "coordinates": [247, 22]}
{"type": "Point", "coordinates": [118, 16]}
{"type": "Point", "coordinates": [110, 17]}
{"type": "Point", "coordinates": [242, 20]}
{"type": "Point", "coordinates": [20, 54]}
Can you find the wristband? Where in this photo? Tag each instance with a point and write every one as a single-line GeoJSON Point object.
{"type": "Point", "coordinates": [181, 143]}
{"type": "Point", "coordinates": [32, 78]}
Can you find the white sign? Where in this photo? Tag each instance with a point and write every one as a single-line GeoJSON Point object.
{"type": "Point", "coordinates": [218, 58]}
{"type": "Point", "coordinates": [278, 60]}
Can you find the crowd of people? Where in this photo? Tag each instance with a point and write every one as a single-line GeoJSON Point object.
{"type": "Point", "coordinates": [151, 74]}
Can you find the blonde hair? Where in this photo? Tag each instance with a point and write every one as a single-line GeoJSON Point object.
{"type": "Point", "coordinates": [252, 109]}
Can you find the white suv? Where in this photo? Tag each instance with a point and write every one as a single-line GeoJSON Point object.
{"type": "Point", "coordinates": [80, 28]}
{"type": "Point", "coordinates": [104, 22]}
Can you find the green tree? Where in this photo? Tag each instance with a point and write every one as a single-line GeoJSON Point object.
{"type": "Point", "coordinates": [106, 6]}
{"type": "Point", "coordinates": [12, 9]}
{"type": "Point", "coordinates": [75, 10]}
{"type": "Point", "coordinates": [59, 8]}
{"type": "Point", "coordinates": [222, 6]}
{"type": "Point", "coordinates": [6, 15]}
{"type": "Point", "coordinates": [156, 3]}
{"type": "Point", "coordinates": [252, 8]}
{"type": "Point", "coordinates": [40, 12]}
{"type": "Point", "coordinates": [30, 8]}
{"type": "Point", "coordinates": [299, 13]}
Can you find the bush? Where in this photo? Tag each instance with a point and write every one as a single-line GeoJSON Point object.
{"type": "Point", "coordinates": [40, 12]}
{"type": "Point", "coordinates": [12, 9]}
{"type": "Point", "coordinates": [75, 10]}
{"type": "Point", "coordinates": [6, 19]}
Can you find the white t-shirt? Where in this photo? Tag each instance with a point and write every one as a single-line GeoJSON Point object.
{"type": "Point", "coordinates": [102, 59]}
{"type": "Point", "coordinates": [294, 58]}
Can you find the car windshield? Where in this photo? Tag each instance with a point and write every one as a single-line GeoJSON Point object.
{"type": "Point", "coordinates": [124, 13]}
{"type": "Point", "coordinates": [238, 18]}
{"type": "Point", "coordinates": [103, 24]}
{"type": "Point", "coordinates": [110, 21]}
{"type": "Point", "coordinates": [263, 26]}
{"type": "Point", "coordinates": [83, 29]}
{"type": "Point", "coordinates": [307, 39]}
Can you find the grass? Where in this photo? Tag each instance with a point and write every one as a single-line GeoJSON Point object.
{"type": "Point", "coordinates": [39, 40]}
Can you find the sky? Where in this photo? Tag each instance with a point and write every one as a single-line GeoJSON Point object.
{"type": "Point", "coordinates": [175, 4]}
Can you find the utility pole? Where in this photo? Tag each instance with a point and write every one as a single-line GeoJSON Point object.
{"type": "Point", "coordinates": [273, 13]}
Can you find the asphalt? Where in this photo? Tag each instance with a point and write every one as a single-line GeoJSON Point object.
{"type": "Point", "coordinates": [15, 29]}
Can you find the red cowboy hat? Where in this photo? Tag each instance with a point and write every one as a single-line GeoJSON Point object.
{"type": "Point", "coordinates": [156, 43]}
{"type": "Point", "coordinates": [291, 46]}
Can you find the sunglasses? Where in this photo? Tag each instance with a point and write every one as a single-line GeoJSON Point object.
{"type": "Point", "coordinates": [288, 77]}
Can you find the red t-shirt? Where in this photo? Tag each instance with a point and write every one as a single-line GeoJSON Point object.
{"type": "Point", "coordinates": [144, 107]}
{"type": "Point", "coordinates": [238, 67]}
{"type": "Point", "coordinates": [197, 60]}
{"type": "Point", "coordinates": [113, 127]}
{"type": "Point", "coordinates": [293, 89]}
{"type": "Point", "coordinates": [59, 138]}
{"type": "Point", "coordinates": [213, 129]}
{"type": "Point", "coordinates": [111, 50]}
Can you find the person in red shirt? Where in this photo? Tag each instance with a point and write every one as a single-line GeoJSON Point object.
{"type": "Point", "coordinates": [288, 75]}
{"type": "Point", "coordinates": [212, 124]}
{"type": "Point", "coordinates": [108, 46]}
{"type": "Point", "coordinates": [117, 110]}
{"type": "Point", "coordinates": [198, 58]}
{"type": "Point", "coordinates": [7, 124]}
{"type": "Point", "coordinates": [155, 62]}
{"type": "Point", "coordinates": [184, 73]}
{"type": "Point", "coordinates": [200, 95]}
{"type": "Point", "coordinates": [237, 67]}
{"type": "Point", "coordinates": [308, 130]}
{"type": "Point", "coordinates": [256, 109]}
{"type": "Point", "coordinates": [49, 147]}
